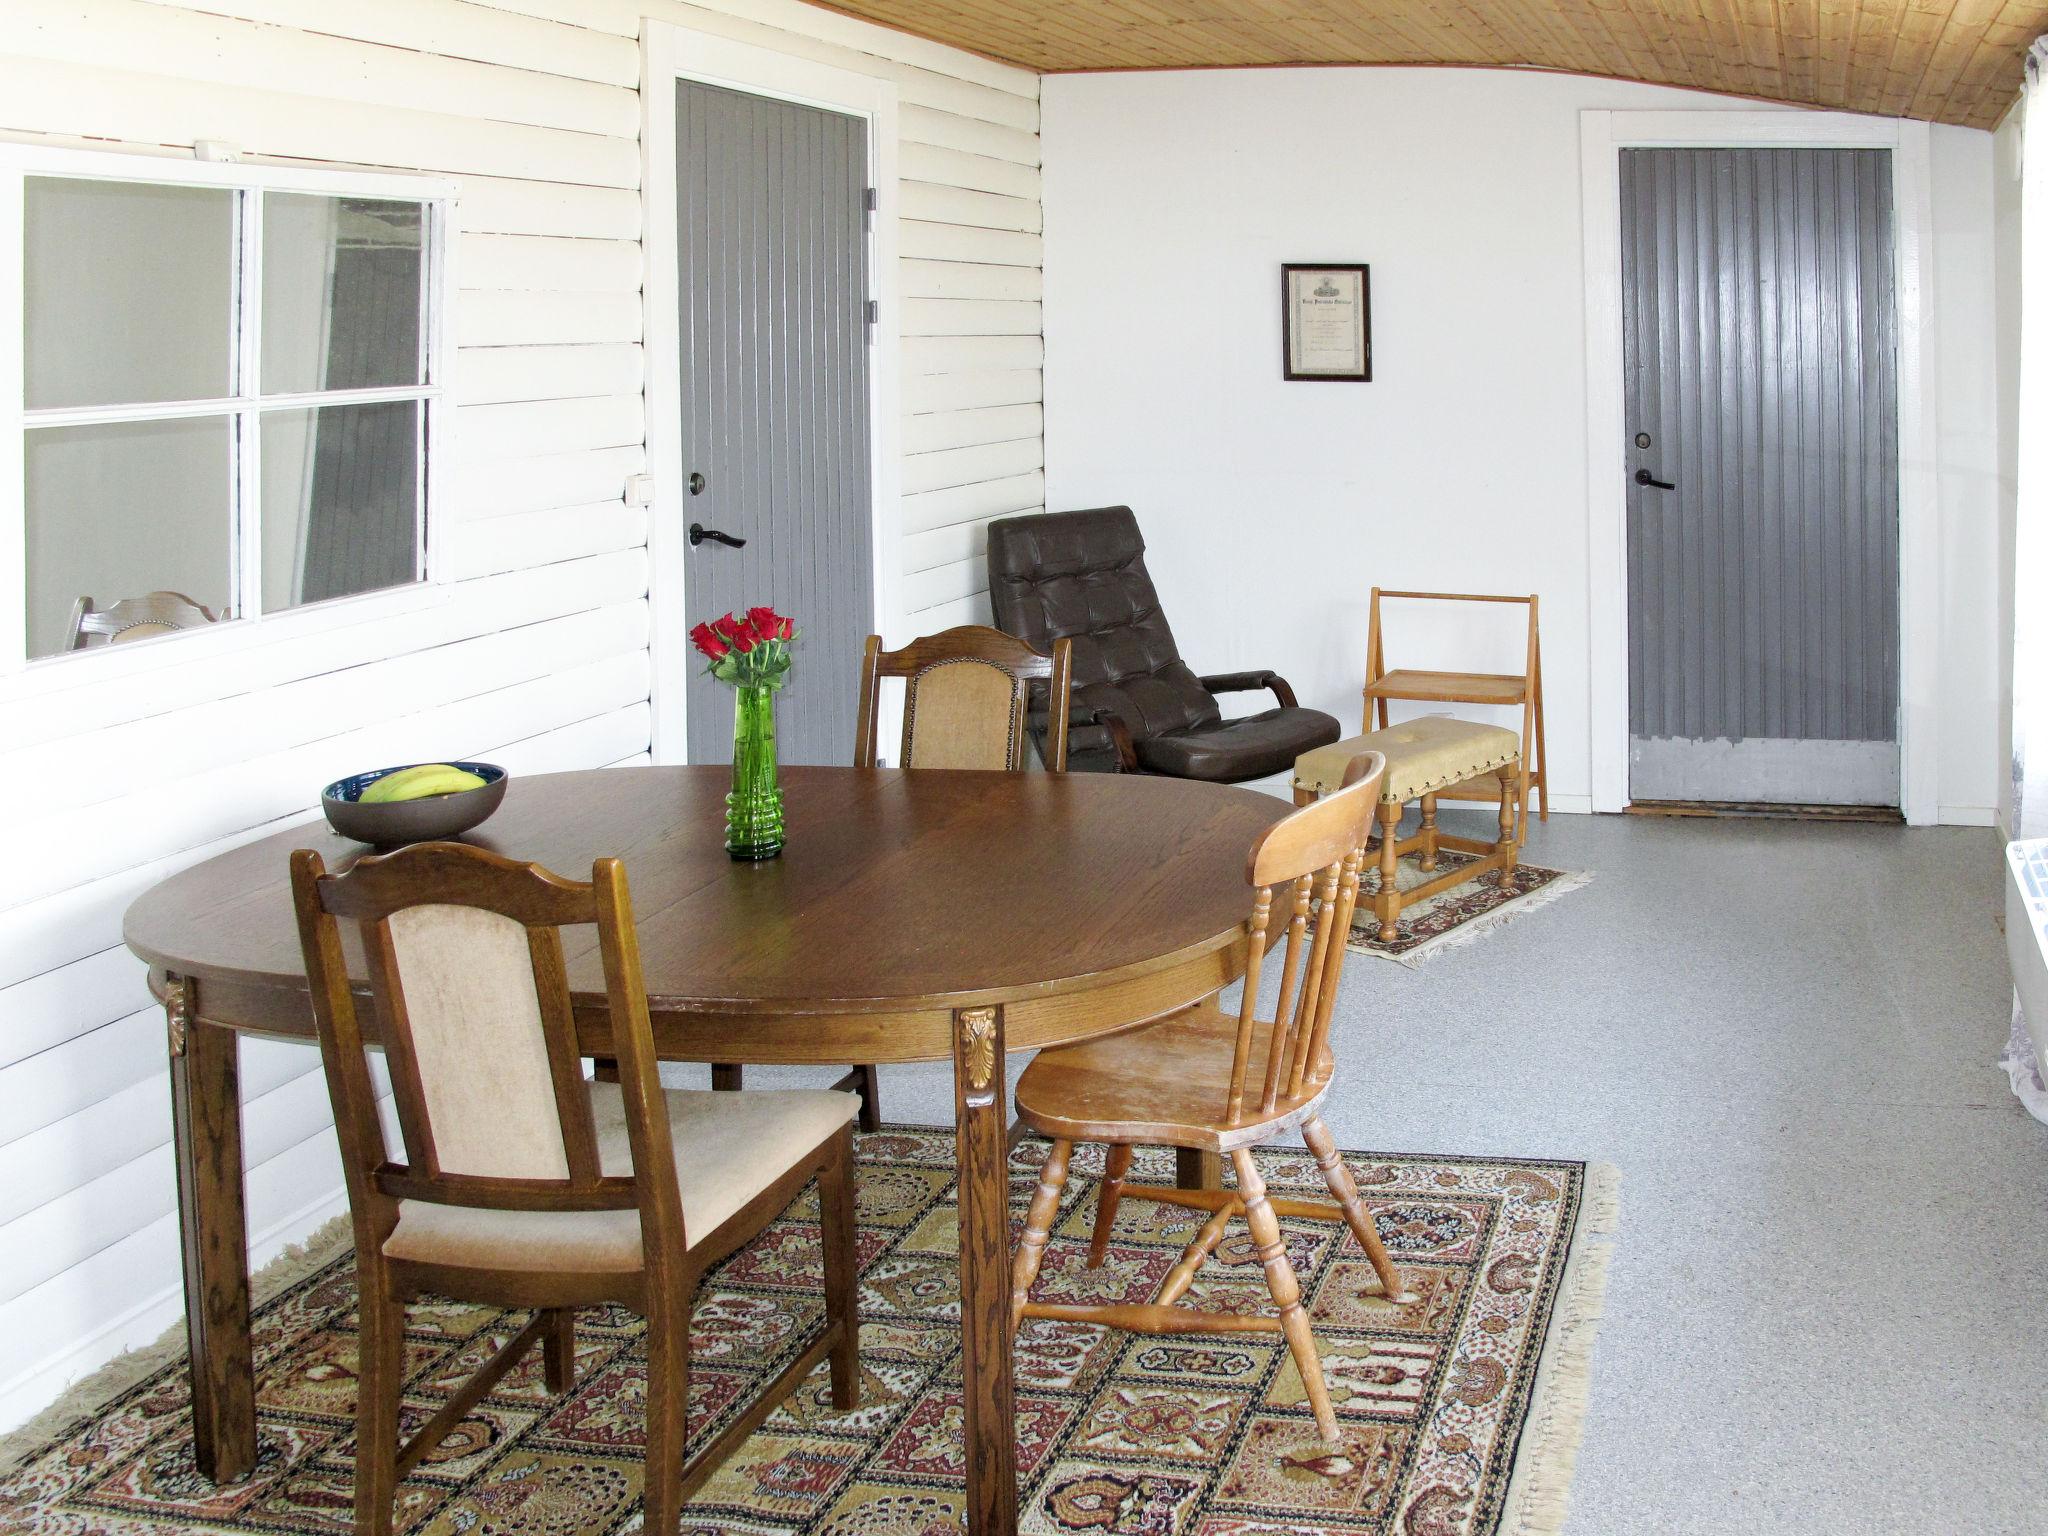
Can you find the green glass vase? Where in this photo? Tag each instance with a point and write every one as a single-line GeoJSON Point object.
{"type": "Point", "coordinates": [753, 808]}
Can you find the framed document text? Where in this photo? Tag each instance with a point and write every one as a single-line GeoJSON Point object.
{"type": "Point", "coordinates": [1326, 321]}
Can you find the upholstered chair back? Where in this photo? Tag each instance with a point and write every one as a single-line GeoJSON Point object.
{"type": "Point", "coordinates": [1304, 872]}
{"type": "Point", "coordinates": [1081, 576]}
{"type": "Point", "coordinates": [967, 694]}
{"type": "Point", "coordinates": [471, 1002]}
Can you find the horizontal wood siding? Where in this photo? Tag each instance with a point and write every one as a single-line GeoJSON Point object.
{"type": "Point", "coordinates": [533, 650]}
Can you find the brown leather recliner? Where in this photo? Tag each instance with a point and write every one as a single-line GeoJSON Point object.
{"type": "Point", "coordinates": [1138, 707]}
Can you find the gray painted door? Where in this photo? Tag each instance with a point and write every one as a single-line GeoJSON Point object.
{"type": "Point", "coordinates": [771, 208]}
{"type": "Point", "coordinates": [1759, 338]}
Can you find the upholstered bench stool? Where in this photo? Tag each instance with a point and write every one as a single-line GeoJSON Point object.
{"type": "Point", "coordinates": [1424, 756]}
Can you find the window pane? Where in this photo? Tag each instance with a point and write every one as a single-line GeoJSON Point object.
{"type": "Point", "coordinates": [342, 293]}
{"type": "Point", "coordinates": [120, 511]}
{"type": "Point", "coordinates": [340, 503]}
{"type": "Point", "coordinates": [128, 292]}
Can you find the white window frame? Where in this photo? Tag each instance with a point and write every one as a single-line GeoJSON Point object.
{"type": "Point", "coordinates": [20, 162]}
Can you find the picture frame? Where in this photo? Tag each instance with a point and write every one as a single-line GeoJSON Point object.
{"type": "Point", "coordinates": [1326, 322]}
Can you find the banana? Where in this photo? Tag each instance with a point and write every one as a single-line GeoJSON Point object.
{"type": "Point", "coordinates": [418, 782]}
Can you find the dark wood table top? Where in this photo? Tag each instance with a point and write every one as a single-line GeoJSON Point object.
{"type": "Point", "coordinates": [898, 890]}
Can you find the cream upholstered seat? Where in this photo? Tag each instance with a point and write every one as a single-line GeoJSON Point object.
{"type": "Point", "coordinates": [729, 1147]}
{"type": "Point", "coordinates": [1423, 755]}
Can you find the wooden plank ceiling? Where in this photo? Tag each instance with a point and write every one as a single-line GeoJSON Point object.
{"type": "Point", "coordinates": [1947, 61]}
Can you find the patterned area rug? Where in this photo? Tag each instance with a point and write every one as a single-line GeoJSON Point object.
{"type": "Point", "coordinates": [1467, 911]}
{"type": "Point", "coordinates": [1460, 1410]}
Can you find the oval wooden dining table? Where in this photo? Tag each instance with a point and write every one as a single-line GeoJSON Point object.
{"type": "Point", "coordinates": [912, 917]}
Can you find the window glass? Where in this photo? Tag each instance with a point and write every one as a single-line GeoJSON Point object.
{"type": "Point", "coordinates": [342, 293]}
{"type": "Point", "coordinates": [129, 292]}
{"type": "Point", "coordinates": [120, 510]}
{"type": "Point", "coordinates": [340, 501]}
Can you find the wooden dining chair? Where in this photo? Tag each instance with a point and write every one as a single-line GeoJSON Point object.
{"type": "Point", "coordinates": [1213, 1082]}
{"type": "Point", "coordinates": [522, 1184]}
{"type": "Point", "coordinates": [967, 703]}
{"type": "Point", "coordinates": [967, 700]}
{"type": "Point", "coordinates": [133, 618]}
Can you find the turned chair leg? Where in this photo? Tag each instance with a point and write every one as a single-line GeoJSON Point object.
{"type": "Point", "coordinates": [1286, 1288]}
{"type": "Point", "coordinates": [1386, 901]}
{"type": "Point", "coordinates": [1429, 832]}
{"type": "Point", "coordinates": [1107, 1198]}
{"type": "Point", "coordinates": [558, 1351]}
{"type": "Point", "coordinates": [1511, 781]}
{"type": "Point", "coordinates": [668, 1398]}
{"type": "Point", "coordinates": [1324, 1147]}
{"type": "Point", "coordinates": [1045, 1205]}
{"type": "Point", "coordinates": [842, 1269]}
{"type": "Point", "coordinates": [380, 1371]}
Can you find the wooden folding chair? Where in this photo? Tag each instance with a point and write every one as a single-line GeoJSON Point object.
{"type": "Point", "coordinates": [1506, 689]}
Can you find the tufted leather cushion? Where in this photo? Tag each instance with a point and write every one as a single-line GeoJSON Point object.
{"type": "Point", "coordinates": [1081, 576]}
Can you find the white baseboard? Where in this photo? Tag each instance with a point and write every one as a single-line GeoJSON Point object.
{"type": "Point", "coordinates": [1968, 815]}
{"type": "Point", "coordinates": [35, 1388]}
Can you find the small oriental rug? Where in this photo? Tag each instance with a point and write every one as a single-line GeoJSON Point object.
{"type": "Point", "coordinates": [1467, 911]}
{"type": "Point", "coordinates": [1460, 1410]}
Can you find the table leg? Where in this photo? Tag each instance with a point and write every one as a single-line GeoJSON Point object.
{"type": "Point", "coordinates": [206, 1131]}
{"type": "Point", "coordinates": [1197, 1168]}
{"type": "Point", "coordinates": [984, 1195]}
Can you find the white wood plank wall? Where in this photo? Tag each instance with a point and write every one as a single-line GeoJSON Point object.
{"type": "Point", "coordinates": [536, 654]}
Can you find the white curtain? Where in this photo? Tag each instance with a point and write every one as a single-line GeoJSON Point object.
{"type": "Point", "coordinates": [2030, 544]}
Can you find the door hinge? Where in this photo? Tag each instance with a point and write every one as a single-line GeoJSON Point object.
{"type": "Point", "coordinates": [874, 316]}
{"type": "Point", "coordinates": [869, 202]}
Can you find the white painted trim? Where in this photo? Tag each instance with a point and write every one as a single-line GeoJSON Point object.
{"type": "Point", "coordinates": [1602, 136]}
{"type": "Point", "coordinates": [34, 159]}
{"type": "Point", "coordinates": [669, 53]}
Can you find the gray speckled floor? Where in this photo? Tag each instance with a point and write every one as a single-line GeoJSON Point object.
{"type": "Point", "coordinates": [1828, 1306]}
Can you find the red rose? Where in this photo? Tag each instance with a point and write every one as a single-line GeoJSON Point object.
{"type": "Point", "coordinates": [728, 627]}
{"type": "Point", "coordinates": [706, 640]}
{"type": "Point", "coordinates": [784, 628]}
{"type": "Point", "coordinates": [744, 637]}
{"type": "Point", "coordinates": [765, 621]}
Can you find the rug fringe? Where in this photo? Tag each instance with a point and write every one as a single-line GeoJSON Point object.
{"type": "Point", "coordinates": [1539, 1493]}
{"type": "Point", "coordinates": [1465, 933]}
{"type": "Point", "coordinates": [129, 1369]}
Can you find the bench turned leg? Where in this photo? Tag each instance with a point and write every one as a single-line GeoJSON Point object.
{"type": "Point", "coordinates": [1511, 781]}
{"type": "Point", "coordinates": [1429, 831]}
{"type": "Point", "coordinates": [1386, 902]}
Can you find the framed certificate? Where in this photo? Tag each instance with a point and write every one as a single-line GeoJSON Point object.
{"type": "Point", "coordinates": [1326, 321]}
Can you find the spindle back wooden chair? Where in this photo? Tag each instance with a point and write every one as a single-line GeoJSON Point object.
{"type": "Point", "coordinates": [1224, 1083]}
{"type": "Point", "coordinates": [521, 1184]}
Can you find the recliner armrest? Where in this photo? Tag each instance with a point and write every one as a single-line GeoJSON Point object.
{"type": "Point", "coordinates": [1252, 682]}
{"type": "Point", "coordinates": [1039, 720]}
{"type": "Point", "coordinates": [1120, 738]}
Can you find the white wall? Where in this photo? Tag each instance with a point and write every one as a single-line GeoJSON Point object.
{"type": "Point", "coordinates": [1271, 508]}
{"type": "Point", "coordinates": [536, 653]}
{"type": "Point", "coordinates": [2005, 196]}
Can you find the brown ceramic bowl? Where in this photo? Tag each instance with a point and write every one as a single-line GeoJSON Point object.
{"type": "Point", "coordinates": [424, 820]}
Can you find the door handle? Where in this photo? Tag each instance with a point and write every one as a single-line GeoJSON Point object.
{"type": "Point", "coordinates": [699, 533]}
{"type": "Point", "coordinates": [1644, 477]}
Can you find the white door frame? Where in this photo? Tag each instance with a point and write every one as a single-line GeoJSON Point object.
{"type": "Point", "coordinates": [1602, 137]}
{"type": "Point", "coordinates": [670, 53]}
